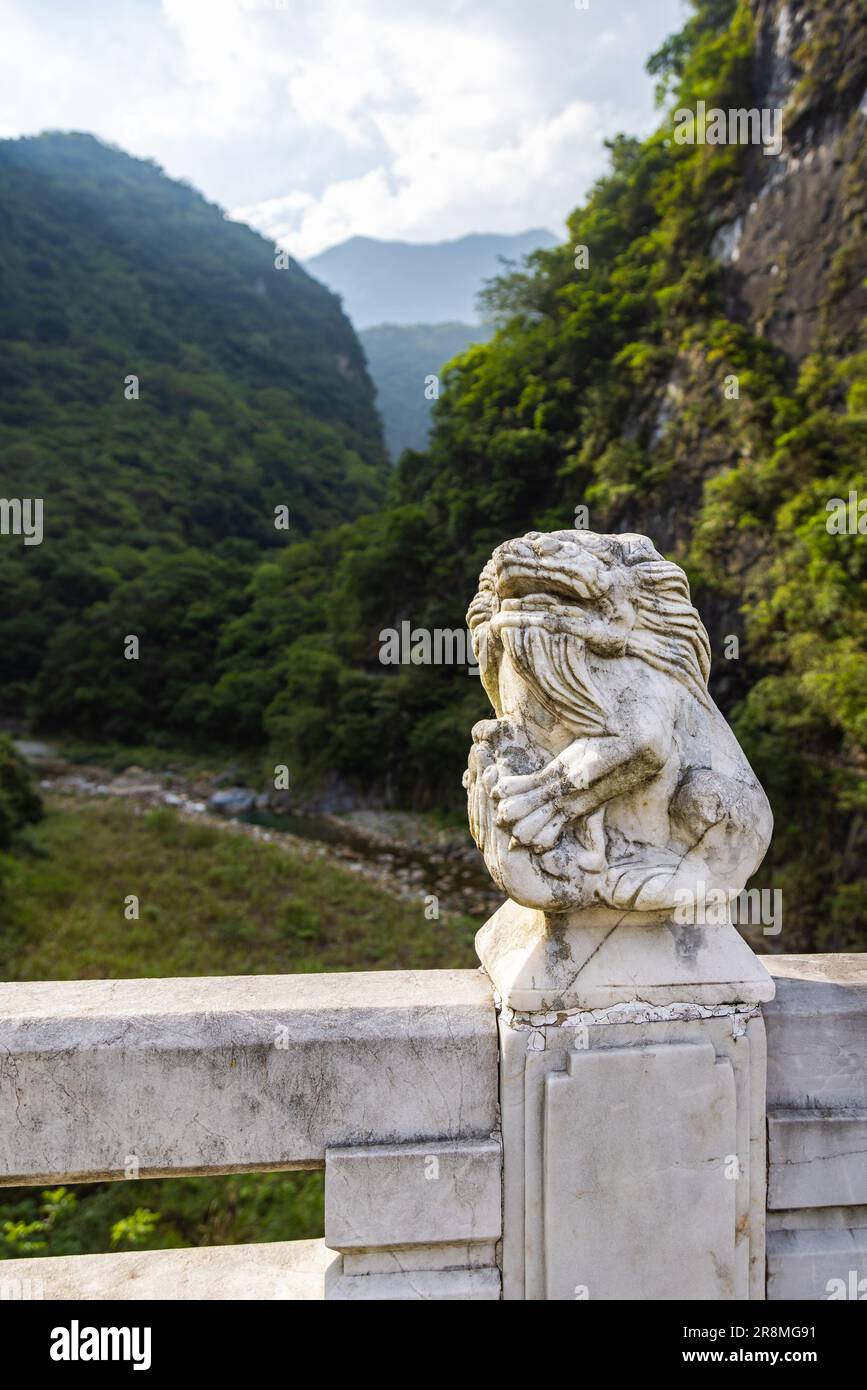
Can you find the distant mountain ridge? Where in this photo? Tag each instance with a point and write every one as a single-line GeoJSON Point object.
{"type": "Point", "coordinates": [400, 282]}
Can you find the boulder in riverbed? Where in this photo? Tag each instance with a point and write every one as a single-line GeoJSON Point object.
{"type": "Point", "coordinates": [233, 801]}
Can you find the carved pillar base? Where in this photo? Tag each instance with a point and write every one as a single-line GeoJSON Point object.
{"type": "Point", "coordinates": [633, 1102]}
{"type": "Point", "coordinates": [542, 962]}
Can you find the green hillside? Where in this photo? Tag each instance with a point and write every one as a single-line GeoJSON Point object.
{"type": "Point", "coordinates": [252, 394]}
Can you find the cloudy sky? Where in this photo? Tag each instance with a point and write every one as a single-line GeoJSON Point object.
{"type": "Point", "coordinates": [315, 120]}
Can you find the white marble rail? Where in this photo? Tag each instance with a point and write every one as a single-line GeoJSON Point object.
{"type": "Point", "coordinates": [224, 1074]}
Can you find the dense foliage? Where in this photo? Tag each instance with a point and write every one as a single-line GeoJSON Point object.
{"type": "Point", "coordinates": [252, 395]}
{"type": "Point", "coordinates": [20, 803]}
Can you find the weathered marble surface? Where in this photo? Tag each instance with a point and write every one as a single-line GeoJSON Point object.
{"type": "Point", "coordinates": [613, 1167]}
{"type": "Point", "coordinates": [288, 1269]}
{"type": "Point", "coordinates": [627, 1133]}
{"type": "Point", "coordinates": [813, 1254]}
{"type": "Point", "coordinates": [233, 1073]}
{"type": "Point", "coordinates": [413, 1194]}
{"type": "Point", "coordinates": [817, 1159]}
{"type": "Point", "coordinates": [815, 1263]}
{"type": "Point", "coordinates": [415, 1220]}
{"type": "Point", "coordinates": [817, 1032]}
{"type": "Point", "coordinates": [559, 961]}
{"type": "Point", "coordinates": [817, 1127]}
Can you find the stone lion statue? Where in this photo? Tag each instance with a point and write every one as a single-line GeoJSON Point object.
{"type": "Point", "coordinates": [608, 777]}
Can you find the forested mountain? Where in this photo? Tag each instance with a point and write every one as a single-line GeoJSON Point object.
{"type": "Point", "coordinates": [418, 282]}
{"type": "Point", "coordinates": [159, 495]}
{"type": "Point", "coordinates": [704, 380]}
{"type": "Point", "coordinates": [402, 358]}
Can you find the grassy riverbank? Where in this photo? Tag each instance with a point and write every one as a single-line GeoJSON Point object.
{"type": "Point", "coordinates": [211, 902]}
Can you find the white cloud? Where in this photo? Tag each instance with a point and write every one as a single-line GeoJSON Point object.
{"type": "Point", "coordinates": [320, 119]}
{"type": "Point", "coordinates": [430, 192]}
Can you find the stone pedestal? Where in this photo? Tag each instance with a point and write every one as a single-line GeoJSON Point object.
{"type": "Point", "coordinates": [633, 1100]}
{"type": "Point", "coordinates": [542, 962]}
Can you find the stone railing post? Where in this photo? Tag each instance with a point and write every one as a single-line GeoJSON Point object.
{"type": "Point", "coordinates": [414, 1221]}
{"type": "Point", "coordinates": [614, 806]}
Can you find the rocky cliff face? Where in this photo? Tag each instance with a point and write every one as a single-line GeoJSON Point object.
{"type": "Point", "coordinates": [793, 239]}
{"type": "Point", "coordinates": [790, 240]}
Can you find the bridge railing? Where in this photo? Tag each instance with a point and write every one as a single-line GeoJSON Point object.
{"type": "Point", "coordinates": [387, 1080]}
{"type": "Point", "coordinates": [395, 1083]}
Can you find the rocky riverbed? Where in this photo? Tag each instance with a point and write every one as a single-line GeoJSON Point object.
{"type": "Point", "coordinates": [406, 855]}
